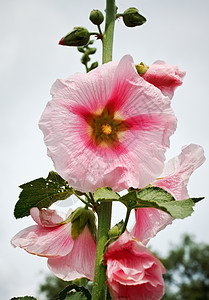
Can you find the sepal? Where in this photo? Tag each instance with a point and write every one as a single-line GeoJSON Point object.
{"type": "Point", "coordinates": [141, 68]}
{"type": "Point", "coordinates": [79, 218]}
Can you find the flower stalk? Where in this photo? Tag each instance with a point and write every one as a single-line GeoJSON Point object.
{"type": "Point", "coordinates": [105, 209]}
{"type": "Point", "coordinates": [109, 31]}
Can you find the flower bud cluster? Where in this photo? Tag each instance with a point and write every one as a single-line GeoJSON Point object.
{"type": "Point", "coordinates": [87, 51]}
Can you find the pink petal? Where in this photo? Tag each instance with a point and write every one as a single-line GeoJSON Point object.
{"type": "Point", "coordinates": [46, 217]}
{"type": "Point", "coordinates": [45, 241]}
{"type": "Point", "coordinates": [87, 166]}
{"type": "Point", "coordinates": [133, 272]}
{"type": "Point", "coordinates": [175, 179]}
{"type": "Point", "coordinates": [165, 77]}
{"type": "Point", "coordinates": [178, 170]}
{"type": "Point", "coordinates": [148, 222]}
{"type": "Point", "coordinates": [79, 262]}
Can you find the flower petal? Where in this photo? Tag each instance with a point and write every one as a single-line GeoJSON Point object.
{"type": "Point", "coordinates": [174, 180]}
{"type": "Point", "coordinates": [148, 222]}
{"type": "Point", "coordinates": [45, 241]}
{"type": "Point", "coordinates": [79, 262]}
{"type": "Point", "coordinates": [46, 217]}
{"type": "Point", "coordinates": [132, 270]}
{"type": "Point", "coordinates": [178, 170]}
{"type": "Point", "coordinates": [165, 77]}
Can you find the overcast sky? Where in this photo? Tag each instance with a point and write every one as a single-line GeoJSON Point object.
{"type": "Point", "coordinates": [31, 60]}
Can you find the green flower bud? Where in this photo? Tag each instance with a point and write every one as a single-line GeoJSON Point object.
{"type": "Point", "coordinates": [141, 68]}
{"type": "Point", "coordinates": [91, 51]}
{"type": "Point", "coordinates": [79, 36]}
{"type": "Point", "coordinates": [132, 18]}
{"type": "Point", "coordinates": [96, 17]}
{"type": "Point", "coordinates": [85, 58]}
{"type": "Point", "coordinates": [79, 219]}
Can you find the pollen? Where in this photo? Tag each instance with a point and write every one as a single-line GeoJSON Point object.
{"type": "Point", "coordinates": [106, 128]}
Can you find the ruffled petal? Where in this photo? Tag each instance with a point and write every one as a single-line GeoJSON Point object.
{"type": "Point", "coordinates": [46, 217]}
{"type": "Point", "coordinates": [45, 241]}
{"type": "Point", "coordinates": [148, 222]}
{"type": "Point", "coordinates": [79, 262]}
{"type": "Point", "coordinates": [165, 77]}
{"type": "Point", "coordinates": [178, 170]}
{"type": "Point", "coordinates": [174, 180]}
{"type": "Point", "coordinates": [132, 270]}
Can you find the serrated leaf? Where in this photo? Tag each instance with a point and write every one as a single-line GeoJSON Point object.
{"type": "Point", "coordinates": [41, 193]}
{"type": "Point", "coordinates": [23, 298]}
{"type": "Point", "coordinates": [155, 197]}
{"type": "Point", "coordinates": [105, 194]}
{"type": "Point", "coordinates": [75, 296]}
{"type": "Point", "coordinates": [69, 293]}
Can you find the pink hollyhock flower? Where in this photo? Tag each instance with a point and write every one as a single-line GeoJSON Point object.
{"type": "Point", "coordinates": [133, 272]}
{"type": "Point", "coordinates": [68, 258]}
{"type": "Point", "coordinates": [108, 127]}
{"type": "Point", "coordinates": [165, 77]}
{"type": "Point", "coordinates": [174, 180]}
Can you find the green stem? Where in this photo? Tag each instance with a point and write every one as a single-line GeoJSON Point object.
{"type": "Point", "coordinates": [126, 220]}
{"type": "Point", "coordinates": [104, 210]}
{"type": "Point", "coordinates": [109, 31]}
{"type": "Point", "coordinates": [86, 203]}
{"type": "Point", "coordinates": [104, 221]}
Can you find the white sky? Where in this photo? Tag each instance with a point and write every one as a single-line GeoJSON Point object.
{"type": "Point", "coordinates": [31, 60]}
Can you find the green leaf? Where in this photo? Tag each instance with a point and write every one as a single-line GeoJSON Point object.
{"type": "Point", "coordinates": [41, 193]}
{"type": "Point", "coordinates": [69, 293]}
{"type": "Point", "coordinates": [23, 298]}
{"type": "Point", "coordinates": [155, 197]}
{"type": "Point", "coordinates": [105, 194]}
{"type": "Point", "coordinates": [75, 296]}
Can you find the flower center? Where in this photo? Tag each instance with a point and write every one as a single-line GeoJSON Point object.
{"type": "Point", "coordinates": [106, 128]}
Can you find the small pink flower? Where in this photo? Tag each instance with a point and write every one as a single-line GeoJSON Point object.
{"type": "Point", "coordinates": [108, 127]}
{"type": "Point", "coordinates": [174, 180]}
{"type": "Point", "coordinates": [68, 258]}
{"type": "Point", "coordinates": [165, 77]}
{"type": "Point", "coordinates": [133, 272]}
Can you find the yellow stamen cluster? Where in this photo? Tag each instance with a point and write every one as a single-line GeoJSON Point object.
{"type": "Point", "coordinates": [106, 128]}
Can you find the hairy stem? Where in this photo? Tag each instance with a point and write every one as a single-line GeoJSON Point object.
{"type": "Point", "coordinates": [104, 210]}
{"type": "Point", "coordinates": [109, 31]}
{"type": "Point", "coordinates": [104, 221]}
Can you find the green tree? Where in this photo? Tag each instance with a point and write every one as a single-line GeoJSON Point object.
{"type": "Point", "coordinates": [187, 276]}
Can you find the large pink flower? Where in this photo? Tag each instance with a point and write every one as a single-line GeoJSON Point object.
{"type": "Point", "coordinates": [108, 127]}
{"type": "Point", "coordinates": [133, 272]}
{"type": "Point", "coordinates": [68, 258]}
{"type": "Point", "coordinates": [174, 179]}
{"type": "Point", "coordinates": [165, 77]}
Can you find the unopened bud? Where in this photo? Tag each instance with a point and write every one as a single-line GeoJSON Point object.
{"type": "Point", "coordinates": [132, 17]}
{"type": "Point", "coordinates": [96, 17]}
{"type": "Point", "coordinates": [79, 36]}
{"type": "Point", "coordinates": [141, 68]}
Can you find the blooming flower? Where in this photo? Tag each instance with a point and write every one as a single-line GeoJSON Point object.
{"type": "Point", "coordinates": [174, 180]}
{"type": "Point", "coordinates": [133, 272]}
{"type": "Point", "coordinates": [68, 258]}
{"type": "Point", "coordinates": [165, 77]}
{"type": "Point", "coordinates": [108, 127]}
